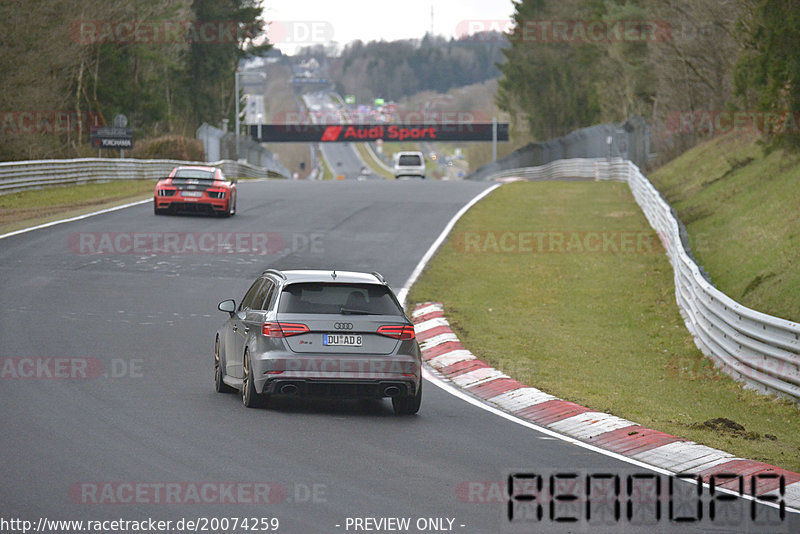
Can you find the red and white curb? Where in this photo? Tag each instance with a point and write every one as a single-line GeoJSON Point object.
{"type": "Point", "coordinates": [442, 351]}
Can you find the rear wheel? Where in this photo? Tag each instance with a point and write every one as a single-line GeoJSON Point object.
{"type": "Point", "coordinates": [219, 385]}
{"type": "Point", "coordinates": [250, 397]}
{"type": "Point", "coordinates": [231, 211]}
{"type": "Point", "coordinates": [157, 211]}
{"type": "Point", "coordinates": [408, 405]}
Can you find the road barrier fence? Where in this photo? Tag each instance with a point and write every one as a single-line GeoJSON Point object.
{"type": "Point", "coordinates": [761, 350]}
{"type": "Point", "coordinates": [19, 175]}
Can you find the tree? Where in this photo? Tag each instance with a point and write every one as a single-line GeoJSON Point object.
{"type": "Point", "coordinates": [547, 82]}
{"type": "Point", "coordinates": [212, 64]}
{"type": "Point", "coordinates": [767, 74]}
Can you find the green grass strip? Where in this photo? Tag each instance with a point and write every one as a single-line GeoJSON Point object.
{"type": "Point", "coordinates": [37, 206]}
{"type": "Point", "coordinates": [565, 287]}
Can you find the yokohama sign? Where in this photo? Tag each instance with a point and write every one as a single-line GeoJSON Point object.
{"type": "Point", "coordinates": [344, 133]}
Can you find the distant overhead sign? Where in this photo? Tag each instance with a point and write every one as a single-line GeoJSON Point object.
{"type": "Point", "coordinates": [303, 80]}
{"type": "Point", "coordinates": [343, 133]}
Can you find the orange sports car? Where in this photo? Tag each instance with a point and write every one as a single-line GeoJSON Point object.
{"type": "Point", "coordinates": [197, 189]}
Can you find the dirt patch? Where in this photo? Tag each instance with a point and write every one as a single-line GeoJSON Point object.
{"type": "Point", "coordinates": [726, 426]}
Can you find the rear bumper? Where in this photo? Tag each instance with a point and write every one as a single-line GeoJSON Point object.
{"type": "Point", "coordinates": [343, 375]}
{"type": "Point", "coordinates": [351, 389]}
{"type": "Point", "coordinates": [202, 206]}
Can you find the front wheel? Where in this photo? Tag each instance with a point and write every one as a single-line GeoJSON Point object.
{"type": "Point", "coordinates": [219, 385]}
{"type": "Point", "coordinates": [408, 405]}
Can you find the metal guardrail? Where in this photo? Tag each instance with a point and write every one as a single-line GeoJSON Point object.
{"type": "Point", "coordinates": [761, 350]}
{"type": "Point", "coordinates": [19, 175]}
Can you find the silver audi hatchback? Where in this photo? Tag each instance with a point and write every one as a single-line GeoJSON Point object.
{"type": "Point", "coordinates": [318, 334]}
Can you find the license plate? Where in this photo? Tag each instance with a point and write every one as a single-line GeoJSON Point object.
{"type": "Point", "coordinates": [341, 340]}
{"type": "Point", "coordinates": [191, 193]}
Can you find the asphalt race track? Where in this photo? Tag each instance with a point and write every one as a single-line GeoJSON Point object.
{"type": "Point", "coordinates": [139, 414]}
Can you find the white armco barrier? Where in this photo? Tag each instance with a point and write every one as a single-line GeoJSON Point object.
{"type": "Point", "coordinates": [761, 350]}
{"type": "Point", "coordinates": [18, 175]}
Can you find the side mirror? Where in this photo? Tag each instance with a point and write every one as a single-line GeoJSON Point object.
{"type": "Point", "coordinates": [227, 306]}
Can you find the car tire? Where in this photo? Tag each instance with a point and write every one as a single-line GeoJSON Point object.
{"type": "Point", "coordinates": [157, 211]}
{"type": "Point", "coordinates": [231, 211]}
{"type": "Point", "coordinates": [408, 405]}
{"type": "Point", "coordinates": [219, 385]}
{"type": "Point", "coordinates": [250, 396]}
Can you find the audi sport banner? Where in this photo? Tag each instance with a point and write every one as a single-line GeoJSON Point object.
{"type": "Point", "coordinates": [343, 133]}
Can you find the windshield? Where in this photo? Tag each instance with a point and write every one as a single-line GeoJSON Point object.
{"type": "Point", "coordinates": [338, 298]}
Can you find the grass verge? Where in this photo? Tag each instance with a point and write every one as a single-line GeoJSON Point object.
{"type": "Point", "coordinates": [38, 206]}
{"type": "Point", "coordinates": [597, 327]}
{"type": "Point", "coordinates": [740, 207]}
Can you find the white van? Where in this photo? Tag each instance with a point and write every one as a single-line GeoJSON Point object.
{"type": "Point", "coordinates": [409, 164]}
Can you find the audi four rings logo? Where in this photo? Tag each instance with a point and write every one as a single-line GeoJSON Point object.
{"type": "Point", "coordinates": [343, 326]}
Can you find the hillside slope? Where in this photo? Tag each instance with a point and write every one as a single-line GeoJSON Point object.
{"type": "Point", "coordinates": [741, 208]}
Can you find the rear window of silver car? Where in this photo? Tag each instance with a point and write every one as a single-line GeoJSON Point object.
{"type": "Point", "coordinates": [338, 298]}
{"type": "Point", "coordinates": [410, 160]}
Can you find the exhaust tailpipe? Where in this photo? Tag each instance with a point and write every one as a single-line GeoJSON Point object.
{"type": "Point", "coordinates": [391, 391]}
{"type": "Point", "coordinates": [288, 389]}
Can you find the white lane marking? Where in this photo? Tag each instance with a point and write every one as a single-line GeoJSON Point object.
{"type": "Point", "coordinates": [424, 326]}
{"type": "Point", "coordinates": [682, 456]}
{"type": "Point", "coordinates": [518, 399]}
{"type": "Point", "coordinates": [403, 293]}
{"type": "Point", "coordinates": [477, 377]}
{"type": "Point", "coordinates": [588, 424]}
{"type": "Point", "coordinates": [427, 309]}
{"type": "Point", "coordinates": [77, 218]}
{"type": "Point", "coordinates": [448, 359]}
{"type": "Point", "coordinates": [427, 344]}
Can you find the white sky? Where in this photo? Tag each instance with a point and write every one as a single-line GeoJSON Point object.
{"type": "Point", "coordinates": [298, 23]}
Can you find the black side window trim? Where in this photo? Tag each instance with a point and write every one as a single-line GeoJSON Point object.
{"type": "Point", "coordinates": [250, 295]}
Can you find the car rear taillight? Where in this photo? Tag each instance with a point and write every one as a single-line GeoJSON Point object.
{"type": "Point", "coordinates": [276, 329]}
{"type": "Point", "coordinates": [397, 331]}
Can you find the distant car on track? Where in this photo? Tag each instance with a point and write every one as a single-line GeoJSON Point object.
{"type": "Point", "coordinates": [319, 334]}
{"type": "Point", "coordinates": [196, 188]}
{"type": "Point", "coordinates": [409, 164]}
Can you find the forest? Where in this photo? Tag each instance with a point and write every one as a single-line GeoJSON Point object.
{"type": "Point", "coordinates": [396, 69]}
{"type": "Point", "coordinates": [167, 65]}
{"type": "Point", "coordinates": [687, 66]}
